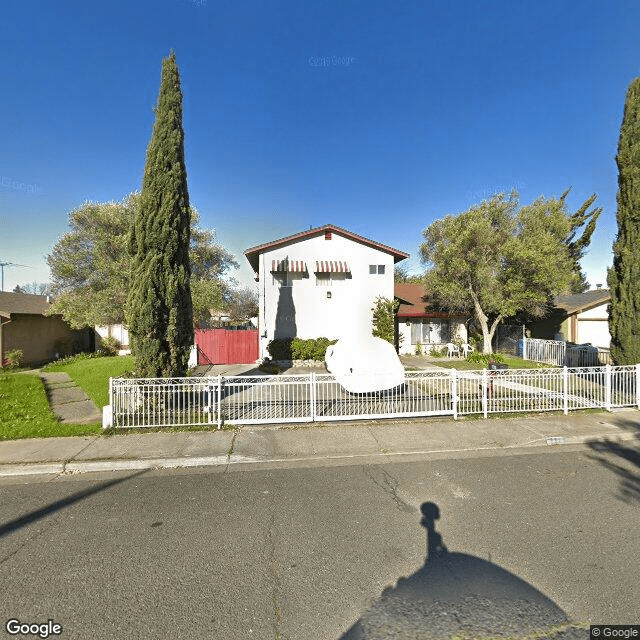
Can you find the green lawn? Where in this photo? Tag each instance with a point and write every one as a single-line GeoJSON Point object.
{"type": "Point", "coordinates": [25, 413]}
{"type": "Point", "coordinates": [92, 374]}
{"type": "Point", "coordinates": [512, 361]}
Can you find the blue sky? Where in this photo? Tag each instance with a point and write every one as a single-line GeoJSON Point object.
{"type": "Point", "coordinates": [379, 117]}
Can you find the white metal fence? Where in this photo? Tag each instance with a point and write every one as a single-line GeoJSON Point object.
{"type": "Point", "coordinates": [319, 397]}
{"type": "Point", "coordinates": [560, 354]}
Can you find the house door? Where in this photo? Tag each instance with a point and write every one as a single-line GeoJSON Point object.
{"type": "Point", "coordinates": [225, 346]}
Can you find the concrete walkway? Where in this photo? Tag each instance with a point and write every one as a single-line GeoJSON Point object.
{"type": "Point", "coordinates": [68, 401]}
{"type": "Point", "coordinates": [334, 443]}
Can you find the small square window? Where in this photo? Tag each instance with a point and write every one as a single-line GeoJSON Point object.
{"type": "Point", "coordinates": [373, 269]}
{"type": "Point", "coordinates": [381, 269]}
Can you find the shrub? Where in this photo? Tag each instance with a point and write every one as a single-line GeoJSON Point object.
{"type": "Point", "coordinates": [110, 346]}
{"type": "Point", "coordinates": [418, 350]}
{"type": "Point", "coordinates": [484, 358]}
{"type": "Point", "coordinates": [299, 349]}
{"type": "Point", "coordinates": [280, 349]}
{"type": "Point", "coordinates": [383, 318]}
{"type": "Point", "coordinates": [12, 359]}
{"type": "Point", "coordinates": [270, 368]}
{"type": "Point", "coordinates": [438, 353]}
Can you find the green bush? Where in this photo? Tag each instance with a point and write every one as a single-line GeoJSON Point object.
{"type": "Point", "coordinates": [438, 353]}
{"type": "Point", "coordinates": [12, 359]}
{"type": "Point", "coordinates": [299, 349]}
{"type": "Point", "coordinates": [270, 368]}
{"type": "Point", "coordinates": [280, 349]}
{"type": "Point", "coordinates": [484, 358]}
{"type": "Point", "coordinates": [110, 346]}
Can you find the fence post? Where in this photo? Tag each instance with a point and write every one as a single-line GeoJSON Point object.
{"type": "Point", "coordinates": [219, 403]}
{"type": "Point", "coordinates": [607, 392]}
{"type": "Point", "coordinates": [638, 385]}
{"type": "Point", "coordinates": [485, 392]}
{"type": "Point", "coordinates": [312, 382]}
{"type": "Point", "coordinates": [454, 392]}
{"type": "Point", "coordinates": [524, 350]}
{"type": "Point", "coordinates": [565, 390]}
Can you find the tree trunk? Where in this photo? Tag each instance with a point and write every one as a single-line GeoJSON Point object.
{"type": "Point", "coordinates": [487, 332]}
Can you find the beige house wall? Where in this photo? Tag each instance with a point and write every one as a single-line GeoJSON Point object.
{"type": "Point", "coordinates": [38, 337]}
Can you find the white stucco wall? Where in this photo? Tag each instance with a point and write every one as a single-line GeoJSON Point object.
{"type": "Point", "coordinates": [457, 330]}
{"type": "Point", "coordinates": [346, 313]}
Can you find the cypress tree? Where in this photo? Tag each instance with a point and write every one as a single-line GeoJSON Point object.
{"type": "Point", "coordinates": [159, 310]}
{"type": "Point", "coordinates": [624, 276]}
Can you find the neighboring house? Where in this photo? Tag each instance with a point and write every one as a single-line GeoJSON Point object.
{"type": "Point", "coordinates": [419, 324]}
{"type": "Point", "coordinates": [24, 325]}
{"type": "Point", "coordinates": [580, 318]}
{"type": "Point", "coordinates": [320, 282]}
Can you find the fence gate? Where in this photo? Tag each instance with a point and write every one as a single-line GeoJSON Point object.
{"type": "Point", "coordinates": [225, 346]}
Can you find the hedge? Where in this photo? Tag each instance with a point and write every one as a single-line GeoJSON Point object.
{"type": "Point", "coordinates": [298, 349]}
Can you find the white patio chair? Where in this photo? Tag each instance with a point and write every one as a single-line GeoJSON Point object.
{"type": "Point", "coordinates": [466, 349]}
{"type": "Point", "coordinates": [452, 349]}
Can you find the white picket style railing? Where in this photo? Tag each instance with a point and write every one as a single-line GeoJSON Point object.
{"type": "Point", "coordinates": [319, 397]}
{"type": "Point", "coordinates": [558, 353]}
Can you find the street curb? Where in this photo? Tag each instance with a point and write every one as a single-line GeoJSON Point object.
{"type": "Point", "coordinates": [89, 466]}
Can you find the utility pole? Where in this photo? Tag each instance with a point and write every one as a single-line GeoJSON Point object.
{"type": "Point", "coordinates": [10, 264]}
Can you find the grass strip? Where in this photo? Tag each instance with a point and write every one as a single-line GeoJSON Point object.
{"type": "Point", "coordinates": [92, 374]}
{"type": "Point", "coordinates": [25, 412]}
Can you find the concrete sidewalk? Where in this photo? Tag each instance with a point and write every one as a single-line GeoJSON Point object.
{"type": "Point", "coordinates": [335, 443]}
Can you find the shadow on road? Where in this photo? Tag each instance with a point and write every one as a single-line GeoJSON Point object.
{"type": "Point", "coordinates": [629, 488]}
{"type": "Point", "coordinates": [33, 516]}
{"type": "Point", "coordinates": [456, 594]}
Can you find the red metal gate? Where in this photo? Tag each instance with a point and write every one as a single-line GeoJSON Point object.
{"type": "Point", "coordinates": [224, 346]}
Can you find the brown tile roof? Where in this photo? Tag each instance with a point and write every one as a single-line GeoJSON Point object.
{"type": "Point", "coordinates": [253, 253]}
{"type": "Point", "coordinates": [22, 303]}
{"type": "Point", "coordinates": [414, 302]}
{"type": "Point", "coordinates": [577, 302]}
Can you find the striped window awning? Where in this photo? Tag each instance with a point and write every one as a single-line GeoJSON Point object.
{"type": "Point", "coordinates": [332, 266]}
{"type": "Point", "coordinates": [288, 266]}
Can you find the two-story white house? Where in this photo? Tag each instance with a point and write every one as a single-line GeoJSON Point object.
{"type": "Point", "coordinates": [320, 282]}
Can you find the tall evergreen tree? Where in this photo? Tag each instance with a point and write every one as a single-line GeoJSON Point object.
{"type": "Point", "coordinates": [159, 308]}
{"type": "Point", "coordinates": [624, 276]}
{"type": "Point", "coordinates": [577, 244]}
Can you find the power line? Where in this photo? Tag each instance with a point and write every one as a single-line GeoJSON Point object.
{"type": "Point", "coordinates": [10, 264]}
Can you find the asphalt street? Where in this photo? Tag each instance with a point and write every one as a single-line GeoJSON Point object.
{"type": "Point", "coordinates": [480, 545]}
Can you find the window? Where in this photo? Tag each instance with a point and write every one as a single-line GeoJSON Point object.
{"type": "Point", "coordinates": [429, 331]}
{"type": "Point", "coordinates": [323, 279]}
{"type": "Point", "coordinates": [327, 279]}
{"type": "Point", "coordinates": [282, 279]}
{"type": "Point", "coordinates": [376, 269]}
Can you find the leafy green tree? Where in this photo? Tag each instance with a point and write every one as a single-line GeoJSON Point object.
{"type": "Point", "coordinates": [242, 304]}
{"type": "Point", "coordinates": [91, 267]}
{"type": "Point", "coordinates": [159, 307]}
{"type": "Point", "coordinates": [401, 274]}
{"type": "Point", "coordinates": [498, 259]}
{"type": "Point", "coordinates": [624, 276]}
{"type": "Point", "coordinates": [384, 318]}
